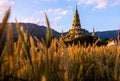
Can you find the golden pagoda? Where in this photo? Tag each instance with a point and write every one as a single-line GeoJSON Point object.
{"type": "Point", "coordinates": [75, 31]}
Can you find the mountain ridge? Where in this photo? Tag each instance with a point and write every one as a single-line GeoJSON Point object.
{"type": "Point", "coordinates": [107, 34]}
{"type": "Point", "coordinates": [32, 29]}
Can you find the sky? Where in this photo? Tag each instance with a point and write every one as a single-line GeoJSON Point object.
{"type": "Point", "coordinates": [102, 15]}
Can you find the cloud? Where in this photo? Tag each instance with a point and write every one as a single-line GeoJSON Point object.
{"type": "Point", "coordinates": [58, 18]}
{"type": "Point", "coordinates": [5, 4]}
{"type": "Point", "coordinates": [57, 11]}
{"type": "Point", "coordinates": [54, 15]}
{"type": "Point", "coordinates": [114, 2]}
{"type": "Point", "coordinates": [28, 20]}
{"type": "Point", "coordinates": [68, 0]}
{"type": "Point", "coordinates": [48, 0]}
{"type": "Point", "coordinates": [38, 1]}
{"type": "Point", "coordinates": [31, 20]}
{"type": "Point", "coordinates": [98, 4]}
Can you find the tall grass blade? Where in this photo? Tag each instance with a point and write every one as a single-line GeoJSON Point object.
{"type": "Point", "coordinates": [10, 48]}
{"type": "Point", "coordinates": [9, 41]}
{"type": "Point", "coordinates": [48, 33]}
{"type": "Point", "coordinates": [48, 43]}
{"type": "Point", "coordinates": [2, 27]}
{"type": "Point", "coordinates": [96, 42]}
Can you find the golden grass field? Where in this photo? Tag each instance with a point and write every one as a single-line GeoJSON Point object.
{"type": "Point", "coordinates": [51, 60]}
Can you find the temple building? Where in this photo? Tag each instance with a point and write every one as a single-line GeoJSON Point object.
{"type": "Point", "coordinates": [76, 31]}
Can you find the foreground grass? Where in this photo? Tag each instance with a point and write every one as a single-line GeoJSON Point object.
{"type": "Point", "coordinates": [70, 63]}
{"type": "Point", "coordinates": [51, 60]}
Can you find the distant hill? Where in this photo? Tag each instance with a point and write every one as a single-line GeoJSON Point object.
{"type": "Point", "coordinates": [32, 29]}
{"type": "Point", "coordinates": [107, 34]}
{"type": "Point", "coordinates": [85, 31]}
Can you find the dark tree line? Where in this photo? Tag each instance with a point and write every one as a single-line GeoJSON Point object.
{"type": "Point", "coordinates": [86, 41]}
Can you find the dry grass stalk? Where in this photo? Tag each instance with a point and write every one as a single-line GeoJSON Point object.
{"type": "Point", "coordinates": [2, 28]}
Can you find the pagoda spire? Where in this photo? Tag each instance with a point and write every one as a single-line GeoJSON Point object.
{"type": "Point", "coordinates": [76, 21]}
{"type": "Point", "coordinates": [76, 7]}
{"type": "Point", "coordinates": [93, 32]}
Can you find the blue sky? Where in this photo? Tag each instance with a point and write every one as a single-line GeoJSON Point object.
{"type": "Point", "coordinates": [102, 15]}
